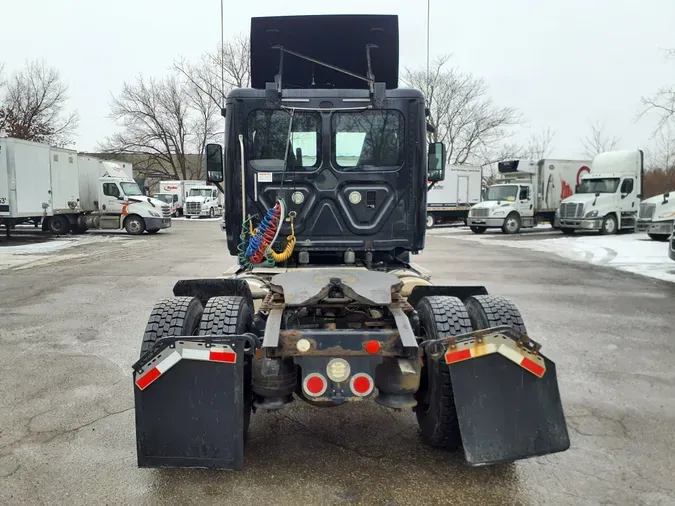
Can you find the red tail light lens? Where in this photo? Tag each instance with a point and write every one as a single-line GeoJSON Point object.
{"type": "Point", "coordinates": [362, 385]}
{"type": "Point", "coordinates": [314, 385]}
{"type": "Point", "coordinates": [372, 347]}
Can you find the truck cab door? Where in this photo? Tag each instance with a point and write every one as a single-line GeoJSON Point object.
{"type": "Point", "coordinates": [628, 199]}
{"type": "Point", "coordinates": [110, 198]}
{"type": "Point", "coordinates": [525, 203]}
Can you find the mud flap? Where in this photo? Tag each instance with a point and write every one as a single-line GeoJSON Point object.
{"type": "Point", "coordinates": [506, 413]}
{"type": "Point", "coordinates": [190, 411]}
{"type": "Point", "coordinates": [506, 397]}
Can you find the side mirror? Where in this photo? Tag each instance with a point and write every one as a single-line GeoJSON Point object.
{"type": "Point", "coordinates": [576, 188]}
{"type": "Point", "coordinates": [213, 163]}
{"type": "Point", "coordinates": [597, 194]}
{"type": "Point", "coordinates": [436, 162]}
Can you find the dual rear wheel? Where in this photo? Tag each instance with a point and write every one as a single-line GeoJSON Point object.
{"type": "Point", "coordinates": [443, 316]}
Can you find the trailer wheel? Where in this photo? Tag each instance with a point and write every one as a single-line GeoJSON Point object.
{"type": "Point", "coordinates": [59, 225]}
{"type": "Point", "coordinates": [227, 316]}
{"type": "Point", "coordinates": [173, 316]}
{"type": "Point", "coordinates": [430, 221]}
{"type": "Point", "coordinates": [511, 224]}
{"type": "Point", "coordinates": [478, 230]}
{"type": "Point", "coordinates": [134, 225]}
{"type": "Point", "coordinates": [486, 311]}
{"type": "Point", "coordinates": [440, 316]}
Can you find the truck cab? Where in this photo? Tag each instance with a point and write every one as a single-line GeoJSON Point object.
{"type": "Point", "coordinates": [607, 199]}
{"type": "Point", "coordinates": [505, 206]}
{"type": "Point", "coordinates": [656, 216]}
{"type": "Point", "coordinates": [203, 201]}
{"type": "Point", "coordinates": [169, 198]}
{"type": "Point", "coordinates": [121, 204]}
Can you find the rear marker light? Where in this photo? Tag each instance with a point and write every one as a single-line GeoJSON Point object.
{"type": "Point", "coordinates": [315, 385]}
{"type": "Point", "coordinates": [372, 347]}
{"type": "Point", "coordinates": [361, 385]}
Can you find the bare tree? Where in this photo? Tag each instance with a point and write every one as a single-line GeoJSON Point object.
{"type": "Point", "coordinates": [597, 141]}
{"type": "Point", "coordinates": [465, 119]}
{"type": "Point", "coordinates": [216, 73]}
{"type": "Point", "coordinates": [663, 101]}
{"type": "Point", "coordinates": [33, 106]}
{"type": "Point", "coordinates": [165, 126]}
{"type": "Point", "coordinates": [539, 145]}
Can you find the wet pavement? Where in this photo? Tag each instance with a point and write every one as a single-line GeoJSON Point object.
{"type": "Point", "coordinates": [70, 330]}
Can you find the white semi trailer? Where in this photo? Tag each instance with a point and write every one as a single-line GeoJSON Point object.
{"type": "Point", "coordinates": [450, 200]}
{"type": "Point", "coordinates": [527, 193]}
{"type": "Point", "coordinates": [66, 192]}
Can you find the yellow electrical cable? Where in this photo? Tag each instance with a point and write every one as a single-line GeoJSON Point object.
{"type": "Point", "coordinates": [288, 250]}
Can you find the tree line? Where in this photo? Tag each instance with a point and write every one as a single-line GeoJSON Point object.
{"type": "Point", "coordinates": [165, 122]}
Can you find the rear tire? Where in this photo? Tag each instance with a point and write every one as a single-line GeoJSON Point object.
{"type": "Point", "coordinates": [440, 316]}
{"type": "Point", "coordinates": [486, 311]}
{"type": "Point", "coordinates": [59, 225]}
{"type": "Point", "coordinates": [228, 316]}
{"type": "Point", "coordinates": [478, 230]}
{"type": "Point", "coordinates": [659, 237]}
{"type": "Point", "coordinates": [173, 316]}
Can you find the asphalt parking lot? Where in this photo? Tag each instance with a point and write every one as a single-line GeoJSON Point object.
{"type": "Point", "coordinates": [71, 328]}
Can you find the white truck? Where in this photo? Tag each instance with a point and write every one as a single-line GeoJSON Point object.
{"type": "Point", "coordinates": [66, 192]}
{"type": "Point", "coordinates": [528, 192]}
{"type": "Point", "coordinates": [450, 199]}
{"type": "Point", "coordinates": [204, 201]}
{"type": "Point", "coordinates": [608, 197]}
{"type": "Point", "coordinates": [656, 217]}
{"type": "Point", "coordinates": [175, 194]}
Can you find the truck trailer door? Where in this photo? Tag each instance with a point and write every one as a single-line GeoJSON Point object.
{"type": "Point", "coordinates": [462, 190]}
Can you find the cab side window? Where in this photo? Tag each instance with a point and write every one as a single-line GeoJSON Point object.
{"type": "Point", "coordinates": [627, 186]}
{"type": "Point", "coordinates": [524, 193]}
{"type": "Point", "coordinates": [111, 190]}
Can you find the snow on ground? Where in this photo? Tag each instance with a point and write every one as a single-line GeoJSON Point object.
{"type": "Point", "coordinates": [634, 253]}
{"type": "Point", "coordinates": [196, 219]}
{"type": "Point", "coordinates": [41, 253]}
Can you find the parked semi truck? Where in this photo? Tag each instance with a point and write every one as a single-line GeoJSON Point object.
{"type": "Point", "coordinates": [527, 193]}
{"type": "Point", "coordinates": [203, 201]}
{"type": "Point", "coordinates": [175, 193]}
{"type": "Point", "coordinates": [450, 200]}
{"type": "Point", "coordinates": [325, 305]}
{"type": "Point", "coordinates": [66, 192]}
{"type": "Point", "coordinates": [608, 197]}
{"type": "Point", "coordinates": [656, 216]}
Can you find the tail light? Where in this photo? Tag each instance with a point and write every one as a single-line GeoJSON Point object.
{"type": "Point", "coordinates": [362, 384]}
{"type": "Point", "coordinates": [314, 385]}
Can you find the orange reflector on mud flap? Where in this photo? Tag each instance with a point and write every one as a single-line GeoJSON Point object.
{"type": "Point", "coordinates": [497, 343]}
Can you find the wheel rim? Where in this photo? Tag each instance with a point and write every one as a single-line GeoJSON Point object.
{"type": "Point", "coordinates": [57, 225]}
{"type": "Point", "coordinates": [609, 225]}
{"type": "Point", "coordinates": [430, 221]}
{"type": "Point", "coordinates": [134, 226]}
{"type": "Point", "coordinates": [511, 224]}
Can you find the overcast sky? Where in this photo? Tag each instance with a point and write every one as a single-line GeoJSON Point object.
{"type": "Point", "coordinates": [562, 63]}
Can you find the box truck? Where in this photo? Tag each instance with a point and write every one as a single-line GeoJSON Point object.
{"type": "Point", "coordinates": [608, 197]}
{"type": "Point", "coordinates": [203, 201]}
{"type": "Point", "coordinates": [175, 193]}
{"type": "Point", "coordinates": [656, 216]}
{"type": "Point", "coordinates": [69, 192]}
{"type": "Point", "coordinates": [527, 193]}
{"type": "Point", "coordinates": [450, 200]}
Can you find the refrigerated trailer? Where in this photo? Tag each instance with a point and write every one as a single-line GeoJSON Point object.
{"type": "Point", "coordinates": [450, 200]}
{"type": "Point", "coordinates": [65, 191]}
{"type": "Point", "coordinates": [528, 192]}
